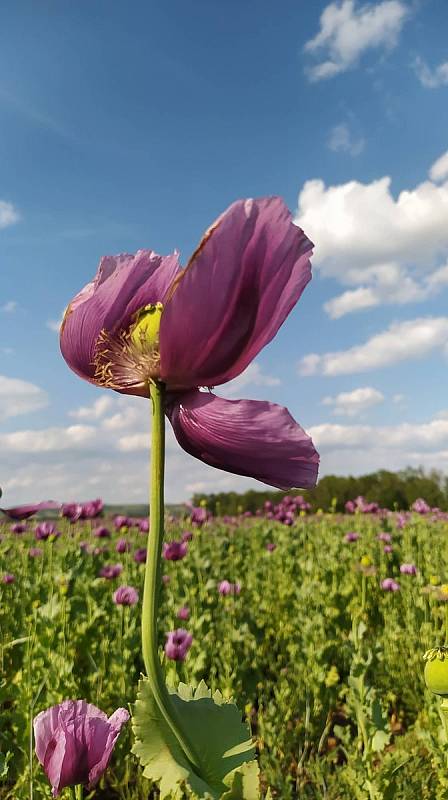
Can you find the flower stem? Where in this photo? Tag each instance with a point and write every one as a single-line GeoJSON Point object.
{"type": "Point", "coordinates": [151, 591]}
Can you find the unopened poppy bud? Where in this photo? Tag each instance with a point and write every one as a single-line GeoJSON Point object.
{"type": "Point", "coordinates": [436, 670]}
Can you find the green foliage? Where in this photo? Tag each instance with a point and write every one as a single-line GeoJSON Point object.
{"type": "Point", "coordinates": [394, 490]}
{"type": "Point", "coordinates": [215, 731]}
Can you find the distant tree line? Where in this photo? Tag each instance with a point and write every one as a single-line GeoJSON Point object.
{"type": "Point", "coordinates": [393, 490]}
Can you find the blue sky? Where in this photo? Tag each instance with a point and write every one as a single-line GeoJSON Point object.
{"type": "Point", "coordinates": [129, 126]}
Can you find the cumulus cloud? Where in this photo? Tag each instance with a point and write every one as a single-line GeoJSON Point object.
{"type": "Point", "coordinates": [350, 404]}
{"type": "Point", "coordinates": [95, 411]}
{"type": "Point", "coordinates": [402, 341]}
{"type": "Point", "coordinates": [19, 397]}
{"type": "Point", "coordinates": [431, 78]}
{"type": "Point", "coordinates": [8, 214]}
{"type": "Point", "coordinates": [385, 249]}
{"type": "Point", "coordinates": [253, 376]}
{"type": "Point", "coordinates": [439, 170]}
{"type": "Point", "coordinates": [55, 324]}
{"type": "Point", "coordinates": [348, 30]}
{"type": "Point", "coordinates": [341, 140]}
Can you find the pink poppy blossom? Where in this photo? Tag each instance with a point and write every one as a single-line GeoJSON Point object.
{"type": "Point", "coordinates": [250, 269]}
{"type": "Point", "coordinates": [225, 588]}
{"type": "Point", "coordinates": [8, 578]}
{"type": "Point", "coordinates": [35, 552]}
{"type": "Point", "coordinates": [187, 536]}
{"type": "Point", "coordinates": [101, 532]}
{"type": "Point", "coordinates": [143, 525]}
{"type": "Point", "coordinates": [125, 596]}
{"type": "Point", "coordinates": [389, 585]}
{"type": "Point", "coordinates": [352, 536]}
{"type": "Point", "coordinates": [183, 613]}
{"type": "Point", "coordinates": [140, 555]}
{"type": "Point", "coordinates": [387, 548]}
{"type": "Point", "coordinates": [270, 547]}
{"type": "Point", "coordinates": [177, 644]}
{"type": "Point", "coordinates": [384, 537]}
{"type": "Point", "coordinates": [45, 530]}
{"type": "Point", "coordinates": [18, 527]}
{"type": "Point", "coordinates": [408, 569]}
{"type": "Point", "coordinates": [74, 742]}
{"type": "Point", "coordinates": [166, 580]}
{"type": "Point", "coordinates": [174, 551]}
{"type": "Point", "coordinates": [122, 546]}
{"type": "Point", "coordinates": [110, 571]}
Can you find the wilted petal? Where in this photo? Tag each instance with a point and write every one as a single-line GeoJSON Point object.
{"type": "Point", "coordinates": [23, 512]}
{"type": "Point", "coordinates": [102, 743]}
{"type": "Point", "coordinates": [241, 283]}
{"type": "Point", "coordinates": [123, 285]}
{"type": "Point", "coordinates": [247, 437]}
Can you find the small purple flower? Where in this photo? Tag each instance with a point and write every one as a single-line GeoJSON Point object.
{"type": "Point", "coordinates": [140, 555]}
{"type": "Point", "coordinates": [408, 569]}
{"type": "Point", "coordinates": [225, 588]}
{"type": "Point", "coordinates": [198, 516]}
{"type": "Point", "coordinates": [44, 530]}
{"type": "Point", "coordinates": [420, 506]}
{"type": "Point", "coordinates": [174, 551]}
{"type": "Point", "coordinates": [270, 547]}
{"type": "Point", "coordinates": [178, 644]}
{"type": "Point", "coordinates": [384, 537]}
{"type": "Point", "coordinates": [35, 552]}
{"type": "Point", "coordinates": [125, 596]}
{"type": "Point", "coordinates": [110, 571]}
{"type": "Point", "coordinates": [143, 525]}
{"type": "Point", "coordinates": [84, 547]}
{"type": "Point", "coordinates": [352, 536]}
{"type": "Point", "coordinates": [74, 742]}
{"type": "Point", "coordinates": [71, 511]}
{"type": "Point", "coordinates": [18, 527]}
{"type": "Point", "coordinates": [166, 580]}
{"type": "Point", "coordinates": [387, 548]}
{"type": "Point", "coordinates": [121, 522]}
{"type": "Point", "coordinates": [8, 578]}
{"type": "Point", "coordinates": [183, 613]}
{"type": "Point", "coordinates": [389, 585]}
{"type": "Point", "coordinates": [187, 536]}
{"type": "Point", "coordinates": [101, 532]}
{"type": "Point", "coordinates": [122, 546]}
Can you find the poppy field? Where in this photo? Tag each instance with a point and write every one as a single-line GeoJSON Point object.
{"type": "Point", "coordinates": [316, 625]}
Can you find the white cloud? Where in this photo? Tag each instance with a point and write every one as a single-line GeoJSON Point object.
{"type": "Point", "coordinates": [439, 170]}
{"type": "Point", "coordinates": [19, 397]}
{"type": "Point", "coordinates": [431, 78]}
{"type": "Point", "coordinates": [349, 404]}
{"type": "Point", "coordinates": [386, 250]}
{"type": "Point", "coordinates": [9, 307]}
{"type": "Point", "coordinates": [55, 324]}
{"type": "Point", "coordinates": [8, 214]}
{"type": "Point", "coordinates": [402, 341]}
{"type": "Point", "coordinates": [46, 440]}
{"type": "Point", "coordinates": [341, 140]}
{"type": "Point", "coordinates": [95, 411]}
{"type": "Point", "coordinates": [427, 436]}
{"type": "Point", "coordinates": [347, 30]}
{"type": "Point", "coordinates": [253, 375]}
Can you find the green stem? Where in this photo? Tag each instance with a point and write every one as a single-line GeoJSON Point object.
{"type": "Point", "coordinates": [151, 591]}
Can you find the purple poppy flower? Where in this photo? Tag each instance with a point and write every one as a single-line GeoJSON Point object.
{"type": "Point", "coordinates": [125, 596]}
{"type": "Point", "coordinates": [140, 555]}
{"type": "Point", "coordinates": [74, 742]}
{"type": "Point", "coordinates": [352, 536]}
{"type": "Point", "coordinates": [35, 552]}
{"type": "Point", "coordinates": [387, 548]}
{"type": "Point", "coordinates": [178, 644]}
{"type": "Point", "coordinates": [92, 509]}
{"type": "Point", "coordinates": [187, 536]}
{"type": "Point", "coordinates": [23, 512]}
{"type": "Point", "coordinates": [122, 546]}
{"type": "Point", "coordinates": [225, 588]}
{"type": "Point", "coordinates": [128, 326]}
{"type": "Point", "coordinates": [384, 537]}
{"type": "Point", "coordinates": [121, 522]}
{"type": "Point", "coordinates": [101, 532]}
{"type": "Point", "coordinates": [143, 525]}
{"type": "Point", "coordinates": [270, 547]}
{"type": "Point", "coordinates": [408, 569]}
{"type": "Point", "coordinates": [174, 551]}
{"type": "Point", "coordinates": [8, 578]}
{"type": "Point", "coordinates": [44, 530]}
{"type": "Point", "coordinates": [18, 527]}
{"type": "Point", "coordinates": [183, 613]}
{"type": "Point", "coordinates": [389, 585]}
{"type": "Point", "coordinates": [198, 515]}
{"type": "Point", "coordinates": [110, 571]}
{"type": "Point", "coordinates": [420, 506]}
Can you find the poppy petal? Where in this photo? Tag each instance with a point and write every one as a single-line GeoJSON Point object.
{"type": "Point", "coordinates": [238, 288]}
{"type": "Point", "coordinates": [247, 437]}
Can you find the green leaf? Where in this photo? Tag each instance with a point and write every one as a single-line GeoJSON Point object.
{"type": "Point", "coordinates": [4, 761]}
{"type": "Point", "coordinates": [217, 734]}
